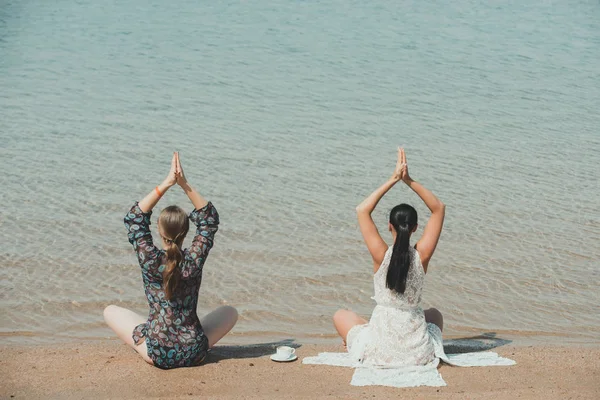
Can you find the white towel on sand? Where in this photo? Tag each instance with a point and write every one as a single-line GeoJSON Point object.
{"type": "Point", "coordinates": [425, 375]}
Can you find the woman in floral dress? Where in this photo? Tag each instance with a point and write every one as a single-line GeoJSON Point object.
{"type": "Point", "coordinates": [172, 335]}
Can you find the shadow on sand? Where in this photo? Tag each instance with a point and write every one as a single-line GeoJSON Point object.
{"type": "Point", "coordinates": [483, 342]}
{"type": "Point", "coordinates": [225, 352]}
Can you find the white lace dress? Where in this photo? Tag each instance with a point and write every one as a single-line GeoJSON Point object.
{"type": "Point", "coordinates": [397, 334]}
{"type": "Point", "coordinates": [397, 347]}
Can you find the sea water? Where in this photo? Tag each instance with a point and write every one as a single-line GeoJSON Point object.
{"type": "Point", "coordinates": [286, 115]}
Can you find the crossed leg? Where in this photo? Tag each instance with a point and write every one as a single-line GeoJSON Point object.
{"type": "Point", "coordinates": [434, 316]}
{"type": "Point", "coordinates": [123, 322]}
{"type": "Point", "coordinates": [344, 320]}
{"type": "Point", "coordinates": [218, 323]}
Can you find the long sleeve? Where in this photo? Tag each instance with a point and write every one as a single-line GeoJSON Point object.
{"type": "Point", "coordinates": [206, 220]}
{"type": "Point", "coordinates": [138, 232]}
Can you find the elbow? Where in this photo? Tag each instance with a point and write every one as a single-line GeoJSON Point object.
{"type": "Point", "coordinates": [362, 211]}
{"type": "Point", "coordinates": [364, 208]}
{"type": "Point", "coordinates": [441, 208]}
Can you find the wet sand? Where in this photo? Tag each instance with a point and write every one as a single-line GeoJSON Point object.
{"type": "Point", "coordinates": [109, 369]}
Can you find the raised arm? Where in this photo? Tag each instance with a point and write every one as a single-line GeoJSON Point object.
{"type": "Point", "coordinates": [376, 245]}
{"type": "Point", "coordinates": [204, 216]}
{"type": "Point", "coordinates": [428, 242]}
{"type": "Point", "coordinates": [206, 220]}
{"type": "Point", "coordinates": [137, 222]}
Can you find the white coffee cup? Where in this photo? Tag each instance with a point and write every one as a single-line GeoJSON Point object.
{"type": "Point", "coordinates": [285, 351]}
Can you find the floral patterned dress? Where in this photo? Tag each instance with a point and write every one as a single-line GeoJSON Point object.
{"type": "Point", "coordinates": [173, 334]}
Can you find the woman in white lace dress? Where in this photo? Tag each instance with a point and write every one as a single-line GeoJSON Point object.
{"type": "Point", "coordinates": [399, 332]}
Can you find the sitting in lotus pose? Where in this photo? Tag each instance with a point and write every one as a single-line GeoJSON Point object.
{"type": "Point", "coordinates": [399, 332]}
{"type": "Point", "coordinates": [172, 335]}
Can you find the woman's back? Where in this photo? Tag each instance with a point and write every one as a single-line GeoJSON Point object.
{"type": "Point", "coordinates": [173, 331]}
{"type": "Point", "coordinates": [398, 332]}
{"type": "Point", "coordinates": [172, 335]}
{"type": "Point", "coordinates": [411, 297]}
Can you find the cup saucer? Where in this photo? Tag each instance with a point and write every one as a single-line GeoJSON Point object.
{"type": "Point", "coordinates": [278, 358]}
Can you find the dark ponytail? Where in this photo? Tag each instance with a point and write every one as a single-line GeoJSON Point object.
{"type": "Point", "coordinates": [174, 224]}
{"type": "Point", "coordinates": [403, 218]}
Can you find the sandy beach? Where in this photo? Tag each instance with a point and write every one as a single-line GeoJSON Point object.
{"type": "Point", "coordinates": [108, 369]}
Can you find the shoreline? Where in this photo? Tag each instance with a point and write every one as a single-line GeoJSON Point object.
{"type": "Point", "coordinates": [109, 369]}
{"type": "Point", "coordinates": [513, 337]}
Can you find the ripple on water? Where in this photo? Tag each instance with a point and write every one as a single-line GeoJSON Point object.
{"type": "Point", "coordinates": [286, 133]}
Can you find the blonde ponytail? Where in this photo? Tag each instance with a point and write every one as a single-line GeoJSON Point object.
{"type": "Point", "coordinates": [174, 225]}
{"type": "Point", "coordinates": [172, 274]}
